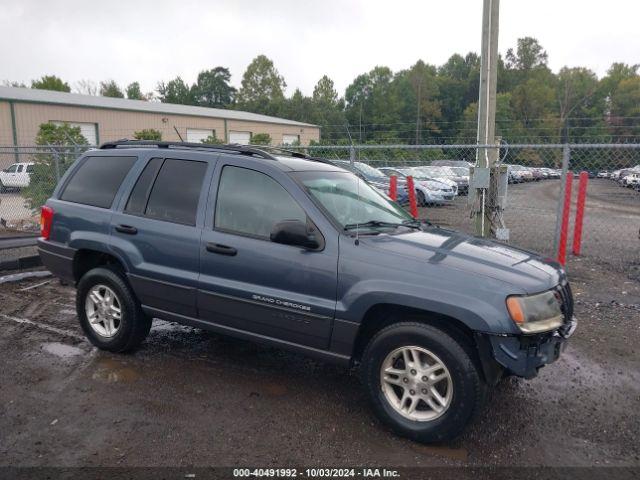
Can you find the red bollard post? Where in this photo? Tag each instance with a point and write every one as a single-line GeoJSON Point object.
{"type": "Point", "coordinates": [413, 206]}
{"type": "Point", "coordinates": [564, 229]}
{"type": "Point", "coordinates": [577, 228]}
{"type": "Point", "coordinates": [393, 188]}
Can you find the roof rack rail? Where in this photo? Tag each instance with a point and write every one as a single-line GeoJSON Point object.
{"type": "Point", "coordinates": [233, 148]}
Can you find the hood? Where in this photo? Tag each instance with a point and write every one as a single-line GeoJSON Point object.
{"type": "Point", "coordinates": [521, 270]}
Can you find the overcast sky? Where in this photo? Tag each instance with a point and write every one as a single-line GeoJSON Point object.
{"type": "Point", "coordinates": [157, 40]}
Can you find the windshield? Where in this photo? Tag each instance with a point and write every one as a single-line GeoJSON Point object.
{"type": "Point", "coordinates": [349, 200]}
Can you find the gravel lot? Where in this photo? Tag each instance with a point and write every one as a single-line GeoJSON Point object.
{"type": "Point", "coordinates": [192, 398]}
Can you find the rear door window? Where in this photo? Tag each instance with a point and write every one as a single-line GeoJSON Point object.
{"type": "Point", "coordinates": [96, 181]}
{"type": "Point", "coordinates": [176, 191]}
{"type": "Point", "coordinates": [137, 203]}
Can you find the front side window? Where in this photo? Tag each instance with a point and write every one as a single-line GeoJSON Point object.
{"type": "Point", "coordinates": [349, 200]}
{"type": "Point", "coordinates": [12, 169]}
{"type": "Point", "coordinates": [251, 203]}
{"type": "Point", "coordinates": [97, 180]}
{"type": "Point", "coordinates": [176, 191]}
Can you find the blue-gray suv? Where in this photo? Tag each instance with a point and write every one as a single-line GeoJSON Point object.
{"type": "Point", "coordinates": [298, 253]}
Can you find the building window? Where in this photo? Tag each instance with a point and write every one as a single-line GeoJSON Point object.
{"type": "Point", "coordinates": [243, 138]}
{"type": "Point", "coordinates": [88, 130]}
{"type": "Point", "coordinates": [290, 139]}
{"type": "Point", "coordinates": [197, 135]}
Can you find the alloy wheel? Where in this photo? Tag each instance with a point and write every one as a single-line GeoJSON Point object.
{"type": "Point", "coordinates": [103, 310]}
{"type": "Point", "coordinates": [416, 383]}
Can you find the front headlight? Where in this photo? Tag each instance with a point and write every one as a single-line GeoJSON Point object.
{"type": "Point", "coordinates": [535, 313]}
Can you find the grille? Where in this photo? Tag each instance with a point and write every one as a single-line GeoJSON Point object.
{"type": "Point", "coordinates": [566, 301]}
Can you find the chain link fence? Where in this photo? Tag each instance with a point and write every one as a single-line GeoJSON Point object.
{"type": "Point", "coordinates": [533, 201]}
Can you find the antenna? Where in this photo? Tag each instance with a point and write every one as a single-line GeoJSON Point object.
{"type": "Point", "coordinates": [179, 136]}
{"type": "Point", "coordinates": [351, 160]}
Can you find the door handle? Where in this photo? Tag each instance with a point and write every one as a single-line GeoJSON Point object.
{"type": "Point", "coordinates": [128, 229]}
{"type": "Point", "coordinates": [221, 249]}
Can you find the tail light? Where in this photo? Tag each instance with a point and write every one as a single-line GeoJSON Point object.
{"type": "Point", "coordinates": [46, 221]}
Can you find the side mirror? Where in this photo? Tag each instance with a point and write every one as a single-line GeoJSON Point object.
{"type": "Point", "coordinates": [296, 233]}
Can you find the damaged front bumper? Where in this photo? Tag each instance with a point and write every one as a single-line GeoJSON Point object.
{"type": "Point", "coordinates": [523, 355]}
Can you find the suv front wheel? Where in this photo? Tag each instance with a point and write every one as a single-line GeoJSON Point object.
{"type": "Point", "coordinates": [109, 312]}
{"type": "Point", "coordinates": [421, 381]}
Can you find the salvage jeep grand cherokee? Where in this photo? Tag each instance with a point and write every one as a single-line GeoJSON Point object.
{"type": "Point", "coordinates": [298, 253]}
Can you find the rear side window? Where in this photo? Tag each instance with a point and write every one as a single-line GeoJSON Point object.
{"type": "Point", "coordinates": [97, 180]}
{"type": "Point", "coordinates": [176, 191]}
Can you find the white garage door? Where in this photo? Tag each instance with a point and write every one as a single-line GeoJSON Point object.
{"type": "Point", "coordinates": [290, 139]}
{"type": "Point", "coordinates": [88, 130]}
{"type": "Point", "coordinates": [243, 138]}
{"type": "Point", "coordinates": [197, 135]}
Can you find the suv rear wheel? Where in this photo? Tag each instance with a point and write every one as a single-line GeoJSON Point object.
{"type": "Point", "coordinates": [109, 312]}
{"type": "Point", "coordinates": [421, 381]}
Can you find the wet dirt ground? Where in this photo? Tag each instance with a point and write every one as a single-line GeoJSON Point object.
{"type": "Point", "coordinates": [192, 398]}
{"type": "Point", "coordinates": [188, 397]}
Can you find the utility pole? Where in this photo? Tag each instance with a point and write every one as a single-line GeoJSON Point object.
{"type": "Point", "coordinates": [486, 178]}
{"type": "Point", "coordinates": [418, 116]}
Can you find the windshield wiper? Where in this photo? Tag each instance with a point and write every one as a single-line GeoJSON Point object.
{"type": "Point", "coordinates": [378, 223]}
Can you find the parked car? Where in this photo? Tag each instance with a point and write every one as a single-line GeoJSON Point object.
{"type": "Point", "coordinates": [293, 253]}
{"type": "Point", "coordinates": [452, 163]}
{"type": "Point", "coordinates": [602, 174]}
{"type": "Point", "coordinates": [519, 174]}
{"type": "Point", "coordinates": [376, 178]}
{"type": "Point", "coordinates": [16, 176]}
{"type": "Point", "coordinates": [460, 176]}
{"type": "Point", "coordinates": [630, 180]}
{"type": "Point", "coordinates": [429, 191]}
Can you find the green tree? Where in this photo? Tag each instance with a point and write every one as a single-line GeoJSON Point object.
{"type": "Point", "coordinates": [262, 88]}
{"type": "Point", "coordinates": [529, 54]}
{"type": "Point", "coordinates": [532, 102]}
{"type": "Point", "coordinates": [458, 81]}
{"type": "Point", "coordinates": [110, 89]}
{"type": "Point", "coordinates": [212, 140]}
{"type": "Point", "coordinates": [416, 97]}
{"type": "Point", "coordinates": [576, 95]}
{"type": "Point", "coordinates": [327, 110]}
{"type": "Point", "coordinates": [148, 134]}
{"type": "Point", "coordinates": [50, 82]}
{"type": "Point", "coordinates": [175, 91]}
{"type": "Point", "coordinates": [298, 107]}
{"type": "Point", "coordinates": [625, 108]}
{"type": "Point", "coordinates": [53, 161]}
{"type": "Point", "coordinates": [212, 88]}
{"type": "Point", "coordinates": [11, 83]}
{"type": "Point", "coordinates": [617, 73]}
{"type": "Point", "coordinates": [370, 106]}
{"type": "Point", "coordinates": [325, 92]}
{"type": "Point", "coordinates": [134, 92]}
{"type": "Point", "coordinates": [261, 139]}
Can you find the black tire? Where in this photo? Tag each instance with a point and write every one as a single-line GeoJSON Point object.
{"type": "Point", "coordinates": [469, 389]}
{"type": "Point", "coordinates": [3, 189]}
{"type": "Point", "coordinates": [134, 325]}
{"type": "Point", "coordinates": [422, 201]}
